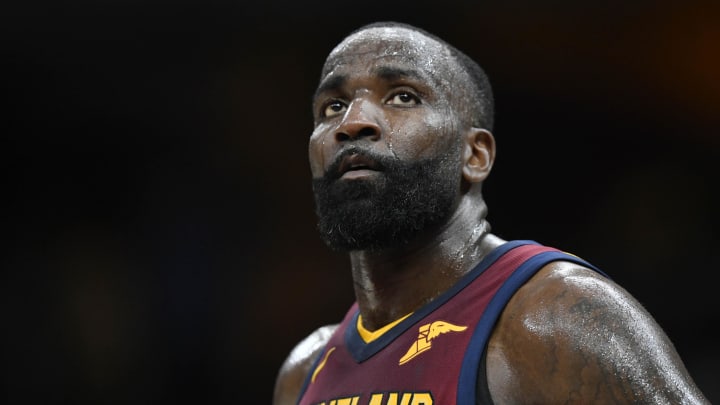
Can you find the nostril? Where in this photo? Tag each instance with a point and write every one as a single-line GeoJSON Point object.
{"type": "Point", "coordinates": [363, 132]}
{"type": "Point", "coordinates": [367, 131]}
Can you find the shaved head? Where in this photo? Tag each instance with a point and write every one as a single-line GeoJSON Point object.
{"type": "Point", "coordinates": [448, 66]}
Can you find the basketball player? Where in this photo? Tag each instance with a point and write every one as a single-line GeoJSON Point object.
{"type": "Point", "coordinates": [446, 312]}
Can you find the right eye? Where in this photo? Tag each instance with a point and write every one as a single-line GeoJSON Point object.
{"type": "Point", "coordinates": [334, 108]}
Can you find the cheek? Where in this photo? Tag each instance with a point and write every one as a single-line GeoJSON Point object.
{"type": "Point", "coordinates": [316, 151]}
{"type": "Point", "coordinates": [413, 137]}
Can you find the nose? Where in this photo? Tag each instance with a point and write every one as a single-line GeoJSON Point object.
{"type": "Point", "coordinates": [360, 121]}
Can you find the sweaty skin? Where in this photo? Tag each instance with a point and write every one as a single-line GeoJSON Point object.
{"type": "Point", "coordinates": [567, 336]}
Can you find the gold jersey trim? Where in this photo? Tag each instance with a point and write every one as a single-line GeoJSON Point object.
{"type": "Point", "coordinates": [368, 336]}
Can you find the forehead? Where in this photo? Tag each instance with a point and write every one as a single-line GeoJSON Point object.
{"type": "Point", "coordinates": [391, 46]}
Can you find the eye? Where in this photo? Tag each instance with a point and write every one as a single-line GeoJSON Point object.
{"type": "Point", "coordinates": [403, 99]}
{"type": "Point", "coordinates": [334, 108]}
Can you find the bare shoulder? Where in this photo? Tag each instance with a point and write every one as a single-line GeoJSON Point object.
{"type": "Point", "coordinates": [297, 365]}
{"type": "Point", "coordinates": [571, 335]}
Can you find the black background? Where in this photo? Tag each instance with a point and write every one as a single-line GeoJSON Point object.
{"type": "Point", "coordinates": [159, 227]}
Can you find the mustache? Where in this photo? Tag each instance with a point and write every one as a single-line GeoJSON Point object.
{"type": "Point", "coordinates": [379, 161]}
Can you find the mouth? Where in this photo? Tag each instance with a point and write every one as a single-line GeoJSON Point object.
{"type": "Point", "coordinates": [356, 166]}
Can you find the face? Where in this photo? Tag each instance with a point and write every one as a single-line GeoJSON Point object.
{"type": "Point", "coordinates": [385, 152]}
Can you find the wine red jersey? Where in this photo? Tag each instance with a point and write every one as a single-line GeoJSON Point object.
{"type": "Point", "coordinates": [432, 356]}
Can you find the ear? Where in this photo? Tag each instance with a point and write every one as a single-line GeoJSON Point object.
{"type": "Point", "coordinates": [478, 155]}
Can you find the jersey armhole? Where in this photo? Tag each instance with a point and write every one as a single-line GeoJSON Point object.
{"type": "Point", "coordinates": [482, 395]}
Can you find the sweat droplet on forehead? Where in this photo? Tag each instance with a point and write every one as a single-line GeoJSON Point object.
{"type": "Point", "coordinates": [398, 45]}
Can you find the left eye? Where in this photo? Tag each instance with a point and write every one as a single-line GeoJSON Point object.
{"type": "Point", "coordinates": [403, 98]}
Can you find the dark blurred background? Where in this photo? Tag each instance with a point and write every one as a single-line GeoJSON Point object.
{"type": "Point", "coordinates": [159, 234]}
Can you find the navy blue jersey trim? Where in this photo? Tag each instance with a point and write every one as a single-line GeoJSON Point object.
{"type": "Point", "coordinates": [308, 377]}
{"type": "Point", "coordinates": [362, 351]}
{"type": "Point", "coordinates": [478, 343]}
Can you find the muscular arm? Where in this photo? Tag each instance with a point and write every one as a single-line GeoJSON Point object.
{"type": "Point", "coordinates": [572, 336]}
{"type": "Point", "coordinates": [297, 366]}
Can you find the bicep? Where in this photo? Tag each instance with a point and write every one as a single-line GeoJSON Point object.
{"type": "Point", "coordinates": [296, 367]}
{"type": "Point", "coordinates": [572, 335]}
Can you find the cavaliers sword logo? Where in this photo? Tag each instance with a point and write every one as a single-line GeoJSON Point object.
{"type": "Point", "coordinates": [426, 334]}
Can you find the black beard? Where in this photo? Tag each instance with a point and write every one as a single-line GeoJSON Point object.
{"type": "Point", "coordinates": [388, 211]}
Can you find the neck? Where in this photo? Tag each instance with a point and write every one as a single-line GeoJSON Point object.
{"type": "Point", "coordinates": [392, 283]}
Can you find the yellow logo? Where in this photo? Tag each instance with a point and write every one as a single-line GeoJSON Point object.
{"type": "Point", "coordinates": [426, 334]}
{"type": "Point", "coordinates": [386, 398]}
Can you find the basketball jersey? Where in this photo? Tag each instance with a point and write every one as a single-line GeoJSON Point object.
{"type": "Point", "coordinates": [432, 356]}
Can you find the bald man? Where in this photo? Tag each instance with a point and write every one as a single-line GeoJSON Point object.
{"type": "Point", "coordinates": [446, 312]}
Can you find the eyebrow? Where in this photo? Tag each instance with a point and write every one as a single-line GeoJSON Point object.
{"type": "Point", "coordinates": [330, 84]}
{"type": "Point", "coordinates": [386, 73]}
{"type": "Point", "coordinates": [391, 73]}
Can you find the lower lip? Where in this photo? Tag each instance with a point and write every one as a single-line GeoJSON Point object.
{"type": "Point", "coordinates": [359, 174]}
